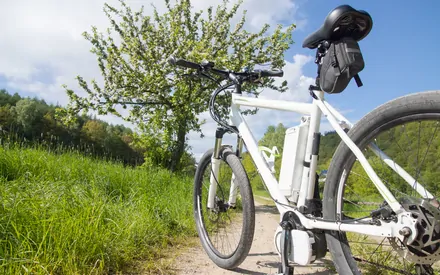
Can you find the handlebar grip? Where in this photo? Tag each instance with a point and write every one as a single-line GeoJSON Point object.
{"type": "Point", "coordinates": [183, 63]}
{"type": "Point", "coordinates": [271, 73]}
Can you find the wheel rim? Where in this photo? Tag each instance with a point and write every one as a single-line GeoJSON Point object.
{"type": "Point", "coordinates": [222, 226]}
{"type": "Point", "coordinates": [414, 143]}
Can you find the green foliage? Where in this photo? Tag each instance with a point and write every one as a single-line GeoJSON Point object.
{"type": "Point", "coordinates": [94, 130]}
{"type": "Point", "coordinates": [69, 214]}
{"type": "Point", "coordinates": [415, 147]}
{"type": "Point", "coordinates": [7, 99]}
{"type": "Point", "coordinates": [274, 136]}
{"type": "Point", "coordinates": [7, 118]}
{"type": "Point", "coordinates": [408, 145]}
{"type": "Point", "coordinates": [28, 114]}
{"type": "Point", "coordinates": [33, 122]}
{"type": "Point", "coordinates": [164, 102]}
{"type": "Point", "coordinates": [252, 172]}
{"type": "Point", "coordinates": [327, 147]}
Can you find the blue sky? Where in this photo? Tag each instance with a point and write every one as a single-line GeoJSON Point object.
{"type": "Point", "coordinates": [400, 52]}
{"type": "Point", "coordinates": [41, 48]}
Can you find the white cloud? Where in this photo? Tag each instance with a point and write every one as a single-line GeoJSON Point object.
{"type": "Point", "coordinates": [259, 12]}
{"type": "Point", "coordinates": [298, 85]}
{"type": "Point", "coordinates": [42, 48]}
{"type": "Point", "coordinates": [40, 38]}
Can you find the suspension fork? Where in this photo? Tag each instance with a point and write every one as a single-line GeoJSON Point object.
{"type": "Point", "coordinates": [233, 190]}
{"type": "Point", "coordinates": [215, 167]}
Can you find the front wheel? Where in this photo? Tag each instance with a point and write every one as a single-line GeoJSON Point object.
{"type": "Point", "coordinates": [226, 229]}
{"type": "Point", "coordinates": [407, 130]}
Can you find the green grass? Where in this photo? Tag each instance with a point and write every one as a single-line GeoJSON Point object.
{"type": "Point", "coordinates": [69, 214]}
{"type": "Point", "coordinates": [261, 193]}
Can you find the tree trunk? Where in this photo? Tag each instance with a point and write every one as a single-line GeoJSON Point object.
{"type": "Point", "coordinates": [179, 148]}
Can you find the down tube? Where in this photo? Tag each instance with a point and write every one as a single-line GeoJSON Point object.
{"type": "Point", "coordinates": [251, 145]}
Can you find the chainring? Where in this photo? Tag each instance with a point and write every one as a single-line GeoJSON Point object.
{"type": "Point", "coordinates": [425, 249]}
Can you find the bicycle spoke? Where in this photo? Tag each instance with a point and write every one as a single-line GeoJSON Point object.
{"type": "Point", "coordinates": [222, 222]}
{"type": "Point", "coordinates": [426, 153]}
{"type": "Point", "coordinates": [411, 146]}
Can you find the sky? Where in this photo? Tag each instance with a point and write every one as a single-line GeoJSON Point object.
{"type": "Point", "coordinates": [41, 48]}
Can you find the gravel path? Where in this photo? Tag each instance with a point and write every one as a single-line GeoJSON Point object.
{"type": "Point", "coordinates": [262, 258]}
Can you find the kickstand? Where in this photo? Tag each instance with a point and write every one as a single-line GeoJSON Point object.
{"type": "Point", "coordinates": [286, 237]}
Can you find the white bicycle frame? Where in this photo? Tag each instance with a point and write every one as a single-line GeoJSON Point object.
{"type": "Point", "coordinates": [315, 110]}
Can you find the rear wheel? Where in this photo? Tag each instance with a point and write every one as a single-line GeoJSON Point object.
{"type": "Point", "coordinates": [226, 231]}
{"type": "Point", "coordinates": [408, 131]}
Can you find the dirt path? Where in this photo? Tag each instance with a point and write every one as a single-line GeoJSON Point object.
{"type": "Point", "coordinates": [262, 258]}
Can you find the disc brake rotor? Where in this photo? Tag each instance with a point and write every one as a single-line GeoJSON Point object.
{"type": "Point", "coordinates": [425, 249]}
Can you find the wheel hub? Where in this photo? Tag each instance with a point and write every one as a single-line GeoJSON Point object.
{"type": "Point", "coordinates": [425, 249]}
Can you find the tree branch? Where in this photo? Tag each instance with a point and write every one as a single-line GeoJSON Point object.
{"type": "Point", "coordinates": [136, 103]}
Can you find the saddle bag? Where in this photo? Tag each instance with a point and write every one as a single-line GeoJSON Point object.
{"type": "Point", "coordinates": [342, 61]}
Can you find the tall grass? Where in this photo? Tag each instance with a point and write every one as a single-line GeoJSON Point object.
{"type": "Point", "coordinates": [69, 214]}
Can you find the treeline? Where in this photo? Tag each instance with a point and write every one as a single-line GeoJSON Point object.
{"type": "Point", "coordinates": [415, 147]}
{"type": "Point", "coordinates": [274, 136]}
{"type": "Point", "coordinates": [33, 121]}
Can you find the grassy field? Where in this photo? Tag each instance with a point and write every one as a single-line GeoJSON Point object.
{"type": "Point", "coordinates": [69, 214]}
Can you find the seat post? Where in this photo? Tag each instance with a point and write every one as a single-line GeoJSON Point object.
{"type": "Point", "coordinates": [320, 53]}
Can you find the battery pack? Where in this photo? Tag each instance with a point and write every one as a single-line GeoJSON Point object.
{"type": "Point", "coordinates": [292, 163]}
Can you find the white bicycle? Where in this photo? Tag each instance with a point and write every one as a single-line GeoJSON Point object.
{"type": "Point", "coordinates": [379, 213]}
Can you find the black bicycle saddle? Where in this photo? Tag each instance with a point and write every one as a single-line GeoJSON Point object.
{"type": "Point", "coordinates": [343, 21]}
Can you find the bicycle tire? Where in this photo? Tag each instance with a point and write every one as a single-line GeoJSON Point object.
{"type": "Point", "coordinates": [242, 247]}
{"type": "Point", "coordinates": [399, 112]}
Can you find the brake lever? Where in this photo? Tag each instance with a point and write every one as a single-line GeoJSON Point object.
{"type": "Point", "coordinates": [210, 77]}
{"type": "Point", "coordinates": [198, 74]}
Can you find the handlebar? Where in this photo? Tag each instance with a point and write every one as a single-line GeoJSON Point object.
{"type": "Point", "coordinates": [270, 73]}
{"type": "Point", "coordinates": [236, 78]}
{"type": "Point", "coordinates": [183, 63]}
{"type": "Point", "coordinates": [209, 66]}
